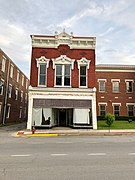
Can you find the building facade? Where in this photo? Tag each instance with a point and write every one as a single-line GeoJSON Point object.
{"type": "Point", "coordinates": [62, 81]}
{"type": "Point", "coordinates": [13, 91]}
{"type": "Point", "coordinates": [115, 89]}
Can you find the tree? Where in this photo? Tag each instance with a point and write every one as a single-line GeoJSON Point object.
{"type": "Point", "coordinates": [110, 118]}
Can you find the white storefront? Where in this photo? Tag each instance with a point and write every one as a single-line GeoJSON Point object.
{"type": "Point", "coordinates": [73, 107]}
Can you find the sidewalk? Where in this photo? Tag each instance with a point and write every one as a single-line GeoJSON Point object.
{"type": "Point", "coordinates": [74, 132]}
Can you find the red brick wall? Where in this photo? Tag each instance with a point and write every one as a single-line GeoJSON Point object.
{"type": "Point", "coordinates": [109, 96]}
{"type": "Point", "coordinates": [50, 53]}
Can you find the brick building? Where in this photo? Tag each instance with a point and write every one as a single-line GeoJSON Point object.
{"type": "Point", "coordinates": [115, 89]}
{"type": "Point", "coordinates": [13, 91]}
{"type": "Point", "coordinates": [62, 81]}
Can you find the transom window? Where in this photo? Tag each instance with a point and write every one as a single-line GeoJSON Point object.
{"type": "Point", "coordinates": [42, 74]}
{"type": "Point", "coordinates": [63, 73]}
{"type": "Point", "coordinates": [83, 75]}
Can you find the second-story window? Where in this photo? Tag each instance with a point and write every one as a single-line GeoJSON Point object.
{"type": "Point", "coordinates": [3, 64]}
{"type": "Point", "coordinates": [10, 91]}
{"type": "Point", "coordinates": [16, 94]}
{"type": "Point", "coordinates": [129, 86]}
{"type": "Point", "coordinates": [83, 75]}
{"type": "Point", "coordinates": [115, 86]}
{"type": "Point", "coordinates": [102, 85]}
{"type": "Point", "coordinates": [11, 70]}
{"type": "Point", "coordinates": [22, 80]}
{"type": "Point", "coordinates": [42, 74]}
{"type": "Point", "coordinates": [63, 75]}
{"type": "Point", "coordinates": [17, 78]}
{"type": "Point", "coordinates": [1, 86]}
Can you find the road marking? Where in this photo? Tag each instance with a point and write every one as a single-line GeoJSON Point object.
{"type": "Point", "coordinates": [59, 154]}
{"type": "Point", "coordinates": [131, 154]}
{"type": "Point", "coordinates": [97, 154]}
{"type": "Point", "coordinates": [20, 155]}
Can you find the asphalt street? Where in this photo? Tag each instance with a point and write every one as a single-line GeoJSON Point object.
{"type": "Point", "coordinates": [67, 157]}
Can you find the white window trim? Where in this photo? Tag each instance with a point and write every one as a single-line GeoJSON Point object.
{"type": "Point", "coordinates": [84, 62]}
{"type": "Point", "coordinates": [102, 80]}
{"type": "Point", "coordinates": [100, 103]}
{"type": "Point", "coordinates": [113, 104]}
{"type": "Point", "coordinates": [115, 80]}
{"type": "Point", "coordinates": [42, 60]}
{"type": "Point", "coordinates": [130, 104]}
{"type": "Point", "coordinates": [129, 80]}
{"type": "Point", "coordinates": [63, 60]}
{"type": "Point", "coordinates": [99, 85]}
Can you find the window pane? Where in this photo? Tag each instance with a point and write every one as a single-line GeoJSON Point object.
{"type": "Point", "coordinates": [42, 69]}
{"type": "Point", "coordinates": [130, 110]}
{"type": "Point", "coordinates": [59, 80]}
{"type": "Point", "coordinates": [115, 86]}
{"type": "Point", "coordinates": [102, 110]}
{"type": "Point", "coordinates": [116, 110]}
{"type": "Point", "coordinates": [129, 86]}
{"type": "Point", "coordinates": [67, 70]}
{"type": "Point", "coordinates": [83, 70]}
{"type": "Point", "coordinates": [102, 86]}
{"type": "Point", "coordinates": [67, 81]}
{"type": "Point", "coordinates": [58, 70]}
{"type": "Point", "coordinates": [42, 80]}
{"type": "Point", "coordinates": [82, 81]}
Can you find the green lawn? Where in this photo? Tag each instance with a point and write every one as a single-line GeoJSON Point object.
{"type": "Point", "coordinates": [116, 125]}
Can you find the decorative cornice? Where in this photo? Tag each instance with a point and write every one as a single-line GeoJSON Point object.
{"type": "Point", "coordinates": [44, 60]}
{"type": "Point", "coordinates": [63, 59]}
{"type": "Point", "coordinates": [64, 38]}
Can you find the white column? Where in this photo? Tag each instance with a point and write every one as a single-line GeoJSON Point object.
{"type": "Point", "coordinates": [30, 106]}
{"type": "Point", "coordinates": [94, 113]}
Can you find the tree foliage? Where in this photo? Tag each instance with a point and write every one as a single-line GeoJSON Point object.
{"type": "Point", "coordinates": [110, 118]}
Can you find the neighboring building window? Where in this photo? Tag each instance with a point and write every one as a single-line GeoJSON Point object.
{"type": "Point", "coordinates": [129, 86]}
{"type": "Point", "coordinates": [102, 85]}
{"type": "Point", "coordinates": [8, 111]}
{"type": "Point", "coordinates": [26, 97]}
{"type": "Point", "coordinates": [83, 75]}
{"type": "Point", "coordinates": [22, 80]}
{"type": "Point", "coordinates": [26, 83]}
{"type": "Point", "coordinates": [18, 73]}
{"type": "Point", "coordinates": [10, 91]}
{"type": "Point", "coordinates": [63, 73]}
{"type": "Point", "coordinates": [116, 110]}
{"type": "Point", "coordinates": [3, 65]}
{"type": "Point", "coordinates": [11, 70]}
{"type": "Point", "coordinates": [1, 86]}
{"type": "Point", "coordinates": [115, 86]}
{"type": "Point", "coordinates": [42, 74]}
{"type": "Point", "coordinates": [102, 109]}
{"type": "Point", "coordinates": [0, 108]}
{"type": "Point", "coordinates": [20, 113]}
{"type": "Point", "coordinates": [21, 96]}
{"type": "Point", "coordinates": [16, 94]}
{"type": "Point", "coordinates": [130, 110]}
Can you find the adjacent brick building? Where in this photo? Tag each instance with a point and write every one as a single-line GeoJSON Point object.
{"type": "Point", "coordinates": [13, 91]}
{"type": "Point", "coordinates": [62, 81]}
{"type": "Point", "coordinates": [115, 89]}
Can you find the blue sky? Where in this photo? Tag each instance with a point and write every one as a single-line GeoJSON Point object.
{"type": "Point", "coordinates": [111, 21]}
